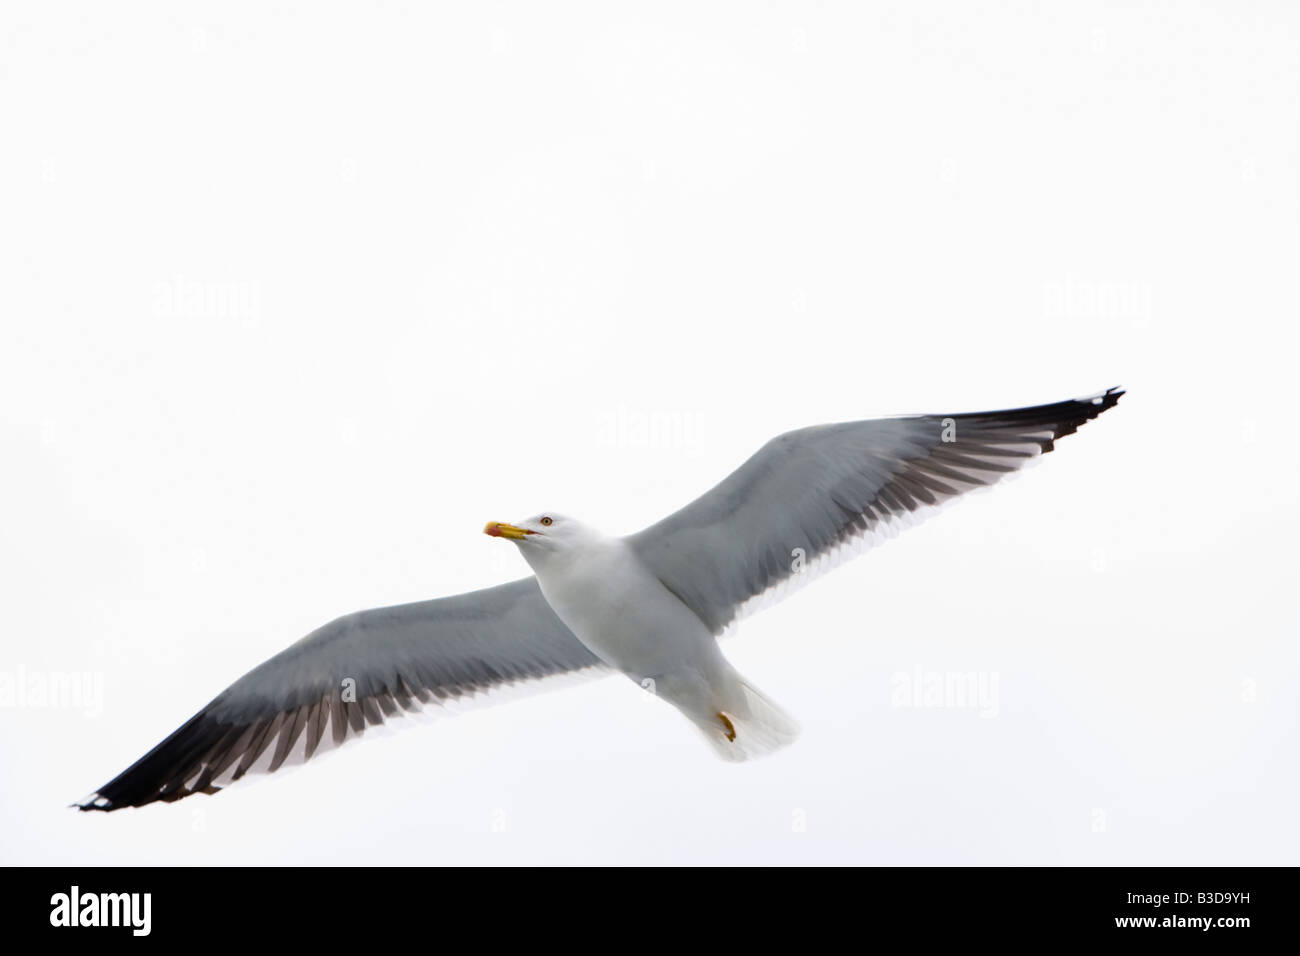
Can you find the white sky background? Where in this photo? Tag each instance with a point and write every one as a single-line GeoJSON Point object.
{"type": "Point", "coordinates": [294, 298]}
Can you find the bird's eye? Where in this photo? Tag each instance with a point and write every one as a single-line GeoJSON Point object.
{"type": "Point", "coordinates": [547, 522]}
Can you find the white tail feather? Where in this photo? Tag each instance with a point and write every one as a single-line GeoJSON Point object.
{"type": "Point", "coordinates": [760, 727]}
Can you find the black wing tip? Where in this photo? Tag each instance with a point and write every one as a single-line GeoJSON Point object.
{"type": "Point", "coordinates": [1068, 419]}
{"type": "Point", "coordinates": [1107, 399]}
{"type": "Point", "coordinates": [1058, 418]}
{"type": "Point", "coordinates": [1080, 409]}
{"type": "Point", "coordinates": [98, 802]}
{"type": "Point", "coordinates": [1094, 405]}
{"type": "Point", "coordinates": [94, 802]}
{"type": "Point", "coordinates": [161, 774]}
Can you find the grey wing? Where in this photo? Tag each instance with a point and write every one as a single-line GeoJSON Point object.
{"type": "Point", "coordinates": [354, 672]}
{"type": "Point", "coordinates": [810, 498]}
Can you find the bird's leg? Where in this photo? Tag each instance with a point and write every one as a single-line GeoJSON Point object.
{"type": "Point", "coordinates": [730, 730]}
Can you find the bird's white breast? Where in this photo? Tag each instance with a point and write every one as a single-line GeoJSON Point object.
{"type": "Point", "coordinates": [621, 611]}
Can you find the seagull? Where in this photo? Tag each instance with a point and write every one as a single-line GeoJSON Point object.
{"type": "Point", "coordinates": [651, 605]}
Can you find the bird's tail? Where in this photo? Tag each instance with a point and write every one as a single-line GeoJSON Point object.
{"type": "Point", "coordinates": [749, 725]}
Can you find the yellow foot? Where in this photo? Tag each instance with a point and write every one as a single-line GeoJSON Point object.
{"type": "Point", "coordinates": [730, 727]}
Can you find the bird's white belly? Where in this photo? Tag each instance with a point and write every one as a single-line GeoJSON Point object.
{"type": "Point", "coordinates": [625, 616]}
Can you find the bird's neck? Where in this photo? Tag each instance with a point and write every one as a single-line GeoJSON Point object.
{"type": "Point", "coordinates": [546, 562]}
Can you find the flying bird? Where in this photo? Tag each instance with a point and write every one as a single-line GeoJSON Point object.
{"type": "Point", "coordinates": [650, 605]}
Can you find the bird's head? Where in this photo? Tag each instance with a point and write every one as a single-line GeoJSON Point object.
{"type": "Point", "coordinates": [544, 534]}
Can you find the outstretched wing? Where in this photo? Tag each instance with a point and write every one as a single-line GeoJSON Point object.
{"type": "Point", "coordinates": [811, 498]}
{"type": "Point", "coordinates": [353, 672]}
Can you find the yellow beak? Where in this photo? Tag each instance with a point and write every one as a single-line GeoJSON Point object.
{"type": "Point", "coordinates": [495, 529]}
